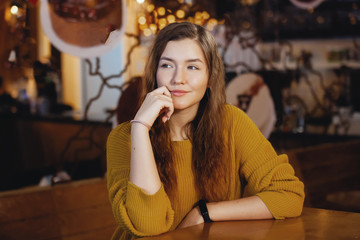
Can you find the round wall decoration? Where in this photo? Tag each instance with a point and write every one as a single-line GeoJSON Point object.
{"type": "Point", "coordinates": [83, 28]}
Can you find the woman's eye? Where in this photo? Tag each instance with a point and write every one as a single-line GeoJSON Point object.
{"type": "Point", "coordinates": [193, 68]}
{"type": "Point", "coordinates": [165, 65]}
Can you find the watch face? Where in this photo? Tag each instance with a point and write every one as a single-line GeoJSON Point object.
{"type": "Point", "coordinates": [83, 28]}
{"type": "Point", "coordinates": [306, 4]}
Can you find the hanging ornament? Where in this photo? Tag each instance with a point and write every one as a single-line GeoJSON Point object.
{"type": "Point", "coordinates": [82, 27]}
{"type": "Point", "coordinates": [11, 61]}
{"type": "Point", "coordinates": [12, 56]}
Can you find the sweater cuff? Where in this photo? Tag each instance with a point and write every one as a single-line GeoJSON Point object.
{"type": "Point", "coordinates": [281, 205]}
{"type": "Point", "coordinates": [151, 214]}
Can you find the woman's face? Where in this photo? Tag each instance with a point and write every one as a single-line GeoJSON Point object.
{"type": "Point", "coordinates": [183, 70]}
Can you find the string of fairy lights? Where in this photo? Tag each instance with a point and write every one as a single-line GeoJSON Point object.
{"type": "Point", "coordinates": [153, 18]}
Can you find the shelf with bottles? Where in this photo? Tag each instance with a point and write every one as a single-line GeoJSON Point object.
{"type": "Point", "coordinates": [318, 54]}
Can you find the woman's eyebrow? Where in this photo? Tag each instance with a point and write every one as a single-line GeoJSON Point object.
{"type": "Point", "coordinates": [167, 59]}
{"type": "Point", "coordinates": [195, 60]}
{"type": "Point", "coordinates": [189, 60]}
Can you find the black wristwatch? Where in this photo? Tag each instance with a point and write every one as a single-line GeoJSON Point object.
{"type": "Point", "coordinates": [204, 211]}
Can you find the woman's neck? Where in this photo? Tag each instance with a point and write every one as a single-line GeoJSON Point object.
{"type": "Point", "coordinates": [179, 124]}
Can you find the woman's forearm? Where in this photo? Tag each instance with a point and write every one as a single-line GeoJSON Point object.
{"type": "Point", "coordinates": [143, 170]}
{"type": "Point", "coordinates": [249, 208]}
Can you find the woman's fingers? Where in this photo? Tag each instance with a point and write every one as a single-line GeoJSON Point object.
{"type": "Point", "coordinates": [156, 103]}
{"type": "Point", "coordinates": [162, 90]}
{"type": "Point", "coordinates": [170, 110]}
{"type": "Point", "coordinates": [164, 94]}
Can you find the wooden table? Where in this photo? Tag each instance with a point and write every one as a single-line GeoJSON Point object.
{"type": "Point", "coordinates": [312, 224]}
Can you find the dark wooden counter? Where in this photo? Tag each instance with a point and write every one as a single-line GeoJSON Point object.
{"type": "Point", "coordinates": [312, 224]}
{"type": "Point", "coordinates": [81, 210]}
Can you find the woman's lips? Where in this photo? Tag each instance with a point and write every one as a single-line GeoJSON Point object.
{"type": "Point", "coordinates": [178, 93]}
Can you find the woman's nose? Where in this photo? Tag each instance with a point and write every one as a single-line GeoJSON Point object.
{"type": "Point", "coordinates": [179, 76]}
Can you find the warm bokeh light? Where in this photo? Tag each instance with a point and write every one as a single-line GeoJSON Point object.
{"type": "Point", "coordinates": [211, 24]}
{"type": "Point", "coordinates": [198, 15]}
{"type": "Point", "coordinates": [180, 13]}
{"type": "Point", "coordinates": [171, 18]}
{"type": "Point", "coordinates": [154, 19]}
{"type": "Point", "coordinates": [153, 28]}
{"type": "Point", "coordinates": [147, 32]}
{"type": "Point", "coordinates": [140, 1]}
{"type": "Point", "coordinates": [150, 7]}
{"type": "Point", "coordinates": [213, 21]}
{"type": "Point", "coordinates": [198, 21]}
{"type": "Point", "coordinates": [162, 21]}
{"type": "Point", "coordinates": [205, 15]}
{"type": "Point", "coordinates": [161, 26]}
{"type": "Point", "coordinates": [142, 20]}
{"type": "Point", "coordinates": [161, 11]}
{"type": "Point", "coordinates": [14, 10]}
{"type": "Point", "coordinates": [142, 27]}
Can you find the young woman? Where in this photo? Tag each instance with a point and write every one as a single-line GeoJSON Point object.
{"type": "Point", "coordinates": [187, 157]}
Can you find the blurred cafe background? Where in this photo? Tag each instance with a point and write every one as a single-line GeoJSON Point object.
{"type": "Point", "coordinates": [69, 73]}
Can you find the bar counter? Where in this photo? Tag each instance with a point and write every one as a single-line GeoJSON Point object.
{"type": "Point", "coordinates": [312, 224]}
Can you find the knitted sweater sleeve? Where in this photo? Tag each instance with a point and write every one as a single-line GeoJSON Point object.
{"type": "Point", "coordinates": [267, 175]}
{"type": "Point", "coordinates": [137, 213]}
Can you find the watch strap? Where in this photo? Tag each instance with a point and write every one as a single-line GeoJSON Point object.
{"type": "Point", "coordinates": [204, 211]}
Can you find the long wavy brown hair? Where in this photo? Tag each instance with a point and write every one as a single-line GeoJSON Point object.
{"type": "Point", "coordinates": [205, 130]}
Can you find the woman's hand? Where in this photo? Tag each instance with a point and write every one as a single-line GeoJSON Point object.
{"type": "Point", "coordinates": [192, 218]}
{"type": "Point", "coordinates": [156, 103]}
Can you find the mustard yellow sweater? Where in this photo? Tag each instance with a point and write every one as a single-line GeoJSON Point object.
{"type": "Point", "coordinates": [253, 161]}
